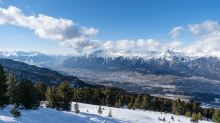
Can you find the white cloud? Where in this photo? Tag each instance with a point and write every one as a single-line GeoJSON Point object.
{"type": "Point", "coordinates": [208, 26]}
{"type": "Point", "coordinates": [65, 31]}
{"type": "Point", "coordinates": [125, 44]}
{"type": "Point", "coordinates": [153, 45]}
{"type": "Point", "coordinates": [149, 44]}
{"type": "Point", "coordinates": [195, 29]}
{"type": "Point", "coordinates": [176, 31]}
{"type": "Point", "coordinates": [208, 43]}
{"type": "Point", "coordinates": [109, 44]}
{"type": "Point", "coordinates": [80, 44]}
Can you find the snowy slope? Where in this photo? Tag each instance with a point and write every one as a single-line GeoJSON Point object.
{"type": "Point", "coordinates": [44, 115]}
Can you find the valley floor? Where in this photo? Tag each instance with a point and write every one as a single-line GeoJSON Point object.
{"type": "Point", "coordinates": [44, 115]}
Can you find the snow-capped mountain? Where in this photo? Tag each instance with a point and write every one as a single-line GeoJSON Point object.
{"type": "Point", "coordinates": [147, 55]}
{"type": "Point", "coordinates": [173, 62]}
{"type": "Point", "coordinates": [33, 57]}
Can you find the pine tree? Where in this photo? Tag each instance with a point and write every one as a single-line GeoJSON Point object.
{"type": "Point", "coordinates": [110, 113]}
{"type": "Point", "coordinates": [199, 116]}
{"type": "Point", "coordinates": [63, 96]}
{"type": "Point", "coordinates": [120, 103]}
{"type": "Point", "coordinates": [15, 112]}
{"type": "Point", "coordinates": [100, 110]}
{"type": "Point", "coordinates": [206, 112]}
{"type": "Point", "coordinates": [27, 95]}
{"type": "Point", "coordinates": [130, 105]}
{"type": "Point", "coordinates": [41, 89]}
{"type": "Point", "coordinates": [164, 119]}
{"type": "Point", "coordinates": [188, 114]}
{"type": "Point", "coordinates": [137, 102]}
{"type": "Point", "coordinates": [116, 105]}
{"type": "Point", "coordinates": [177, 106]}
{"type": "Point", "coordinates": [76, 108]}
{"type": "Point", "coordinates": [194, 118]}
{"type": "Point", "coordinates": [155, 104]}
{"type": "Point", "coordinates": [211, 112]}
{"type": "Point", "coordinates": [144, 103]}
{"type": "Point", "coordinates": [4, 100]}
{"type": "Point", "coordinates": [216, 116]}
{"type": "Point", "coordinates": [11, 82]}
{"type": "Point", "coordinates": [50, 96]}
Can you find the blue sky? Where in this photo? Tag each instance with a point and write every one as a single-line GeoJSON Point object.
{"type": "Point", "coordinates": [123, 22]}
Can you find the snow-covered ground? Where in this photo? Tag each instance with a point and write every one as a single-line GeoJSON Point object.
{"type": "Point", "coordinates": [44, 115]}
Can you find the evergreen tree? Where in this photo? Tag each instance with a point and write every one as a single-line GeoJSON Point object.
{"type": "Point", "coordinates": [194, 118]}
{"type": "Point", "coordinates": [216, 116]}
{"type": "Point", "coordinates": [177, 107]}
{"type": "Point", "coordinates": [205, 112]}
{"type": "Point", "coordinates": [211, 112]}
{"type": "Point", "coordinates": [164, 119]}
{"type": "Point", "coordinates": [199, 116]}
{"type": "Point", "coordinates": [120, 103]}
{"type": "Point", "coordinates": [63, 96]}
{"type": "Point", "coordinates": [137, 102]}
{"type": "Point", "coordinates": [130, 105]}
{"type": "Point", "coordinates": [144, 103]}
{"type": "Point", "coordinates": [188, 114]}
{"type": "Point", "coordinates": [41, 89]}
{"type": "Point", "coordinates": [196, 107]}
{"type": "Point", "coordinates": [100, 110]}
{"type": "Point", "coordinates": [110, 96]}
{"type": "Point", "coordinates": [155, 104]}
{"type": "Point", "coordinates": [15, 112]}
{"type": "Point", "coordinates": [4, 100]}
{"type": "Point", "coordinates": [110, 113]}
{"type": "Point", "coordinates": [50, 96]}
{"type": "Point", "coordinates": [76, 108]}
{"type": "Point", "coordinates": [103, 102]}
{"type": "Point", "coordinates": [27, 95]}
{"type": "Point", "coordinates": [11, 82]}
{"type": "Point", "coordinates": [127, 99]}
{"type": "Point", "coordinates": [116, 105]}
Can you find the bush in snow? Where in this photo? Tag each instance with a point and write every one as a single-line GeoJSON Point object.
{"type": "Point", "coordinates": [100, 110]}
{"type": "Point", "coordinates": [110, 113]}
{"type": "Point", "coordinates": [76, 108]}
{"type": "Point", "coordinates": [15, 111]}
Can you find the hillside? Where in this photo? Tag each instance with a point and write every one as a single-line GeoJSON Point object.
{"type": "Point", "coordinates": [36, 74]}
{"type": "Point", "coordinates": [119, 116]}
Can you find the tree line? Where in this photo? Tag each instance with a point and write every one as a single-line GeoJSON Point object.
{"type": "Point", "coordinates": [26, 95]}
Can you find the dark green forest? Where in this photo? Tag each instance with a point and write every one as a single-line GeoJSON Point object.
{"type": "Point", "coordinates": [26, 95]}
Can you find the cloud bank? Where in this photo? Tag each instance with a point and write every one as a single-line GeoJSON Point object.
{"type": "Point", "coordinates": [206, 27]}
{"type": "Point", "coordinates": [210, 39]}
{"type": "Point", "coordinates": [62, 30]}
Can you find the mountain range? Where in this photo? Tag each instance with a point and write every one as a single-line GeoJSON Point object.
{"type": "Point", "coordinates": [34, 57]}
{"type": "Point", "coordinates": [171, 62]}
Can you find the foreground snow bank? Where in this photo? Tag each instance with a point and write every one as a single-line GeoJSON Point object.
{"type": "Point", "coordinates": [44, 115]}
